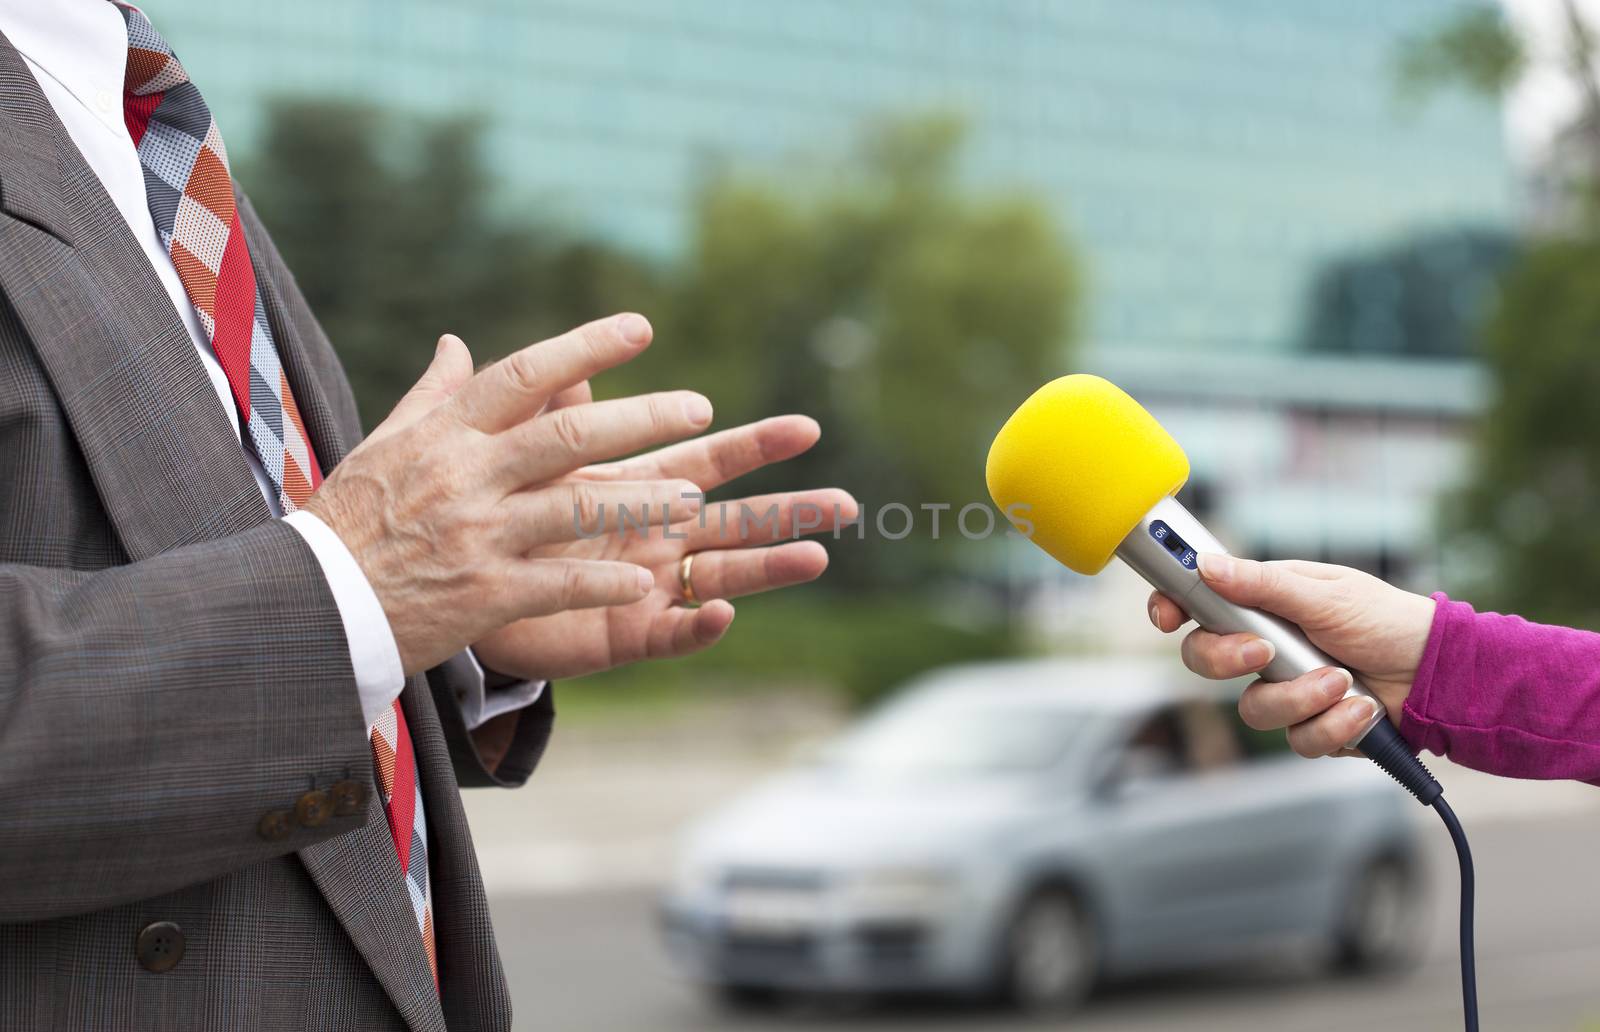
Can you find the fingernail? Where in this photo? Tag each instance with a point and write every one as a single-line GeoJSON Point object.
{"type": "Point", "coordinates": [697, 409]}
{"type": "Point", "coordinates": [1155, 616]}
{"type": "Point", "coordinates": [1337, 681]}
{"type": "Point", "coordinates": [1216, 567]}
{"type": "Point", "coordinates": [1367, 708]}
{"type": "Point", "coordinates": [635, 329]}
{"type": "Point", "coordinates": [646, 581]}
{"type": "Point", "coordinates": [1257, 653]}
{"type": "Point", "coordinates": [691, 496]}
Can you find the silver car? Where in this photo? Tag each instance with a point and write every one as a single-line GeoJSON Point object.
{"type": "Point", "coordinates": [1025, 828]}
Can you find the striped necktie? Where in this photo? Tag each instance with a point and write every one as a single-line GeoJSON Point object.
{"type": "Point", "coordinates": [190, 191]}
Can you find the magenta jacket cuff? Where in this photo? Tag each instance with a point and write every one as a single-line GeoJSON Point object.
{"type": "Point", "coordinates": [1503, 695]}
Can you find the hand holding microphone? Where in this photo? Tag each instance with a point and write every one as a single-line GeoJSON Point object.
{"type": "Point", "coordinates": [1093, 475]}
{"type": "Point", "coordinates": [1376, 629]}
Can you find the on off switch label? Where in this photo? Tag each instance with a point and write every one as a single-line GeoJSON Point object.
{"type": "Point", "coordinates": [1174, 544]}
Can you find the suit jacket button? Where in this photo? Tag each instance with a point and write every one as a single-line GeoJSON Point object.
{"type": "Point", "coordinates": [313, 809]}
{"type": "Point", "coordinates": [348, 797]}
{"type": "Point", "coordinates": [160, 946]}
{"type": "Point", "coordinates": [275, 825]}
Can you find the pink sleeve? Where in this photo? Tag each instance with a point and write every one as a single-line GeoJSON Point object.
{"type": "Point", "coordinates": [1503, 695]}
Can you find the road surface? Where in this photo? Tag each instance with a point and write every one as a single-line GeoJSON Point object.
{"type": "Point", "coordinates": [588, 960]}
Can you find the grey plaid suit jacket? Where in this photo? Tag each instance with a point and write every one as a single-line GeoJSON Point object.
{"type": "Point", "coordinates": [172, 667]}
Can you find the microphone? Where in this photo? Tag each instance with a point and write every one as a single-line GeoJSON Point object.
{"type": "Point", "coordinates": [1085, 473]}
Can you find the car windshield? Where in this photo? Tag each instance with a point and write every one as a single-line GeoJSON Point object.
{"type": "Point", "coordinates": [955, 741]}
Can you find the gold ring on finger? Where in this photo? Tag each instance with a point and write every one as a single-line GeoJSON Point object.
{"type": "Point", "coordinates": [685, 573]}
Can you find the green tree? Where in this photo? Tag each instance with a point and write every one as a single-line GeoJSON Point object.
{"type": "Point", "coordinates": [906, 312]}
{"type": "Point", "coordinates": [1524, 524]}
{"type": "Point", "coordinates": [1478, 50]}
{"type": "Point", "coordinates": [1474, 47]}
{"type": "Point", "coordinates": [394, 232]}
{"type": "Point", "coordinates": [1535, 488]}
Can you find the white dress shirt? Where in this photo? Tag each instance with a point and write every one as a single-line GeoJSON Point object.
{"type": "Point", "coordinates": [78, 52]}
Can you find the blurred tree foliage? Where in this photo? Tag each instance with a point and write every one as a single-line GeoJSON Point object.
{"type": "Point", "coordinates": [1474, 47]}
{"type": "Point", "coordinates": [1535, 493]}
{"type": "Point", "coordinates": [391, 228]}
{"type": "Point", "coordinates": [1426, 296]}
{"type": "Point", "coordinates": [906, 313]}
{"type": "Point", "coordinates": [1478, 50]}
{"type": "Point", "coordinates": [1525, 521]}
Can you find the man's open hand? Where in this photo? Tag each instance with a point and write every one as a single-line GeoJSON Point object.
{"type": "Point", "coordinates": [451, 504]}
{"type": "Point", "coordinates": [741, 547]}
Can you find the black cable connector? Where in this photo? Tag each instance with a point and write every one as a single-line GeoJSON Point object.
{"type": "Point", "coordinates": [1384, 746]}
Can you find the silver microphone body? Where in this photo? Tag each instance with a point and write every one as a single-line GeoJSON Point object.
{"type": "Point", "coordinates": [1164, 548]}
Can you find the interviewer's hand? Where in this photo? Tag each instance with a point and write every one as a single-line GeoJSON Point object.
{"type": "Point", "coordinates": [1378, 630]}
{"type": "Point", "coordinates": [444, 503]}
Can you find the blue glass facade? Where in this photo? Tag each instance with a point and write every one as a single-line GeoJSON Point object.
{"type": "Point", "coordinates": [1206, 155]}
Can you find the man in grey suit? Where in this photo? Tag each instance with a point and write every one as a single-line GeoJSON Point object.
{"type": "Point", "coordinates": [203, 821]}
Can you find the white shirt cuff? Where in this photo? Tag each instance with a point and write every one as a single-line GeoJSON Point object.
{"type": "Point", "coordinates": [479, 704]}
{"type": "Point", "coordinates": [373, 653]}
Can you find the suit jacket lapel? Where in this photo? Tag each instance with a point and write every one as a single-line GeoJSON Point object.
{"type": "Point", "coordinates": [470, 973]}
{"type": "Point", "coordinates": [163, 453]}
{"type": "Point", "coordinates": [359, 876]}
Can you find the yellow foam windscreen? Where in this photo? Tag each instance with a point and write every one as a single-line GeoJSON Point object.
{"type": "Point", "coordinates": [1082, 462]}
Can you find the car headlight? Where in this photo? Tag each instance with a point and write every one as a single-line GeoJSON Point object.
{"type": "Point", "coordinates": [900, 891]}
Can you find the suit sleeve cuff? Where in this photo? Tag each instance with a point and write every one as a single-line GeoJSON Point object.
{"type": "Point", "coordinates": [373, 653]}
{"type": "Point", "coordinates": [480, 703]}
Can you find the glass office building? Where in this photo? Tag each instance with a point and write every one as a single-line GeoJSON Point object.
{"type": "Point", "coordinates": [1206, 156]}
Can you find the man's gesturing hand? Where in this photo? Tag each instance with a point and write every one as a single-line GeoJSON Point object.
{"type": "Point", "coordinates": [1378, 630]}
{"type": "Point", "coordinates": [445, 503]}
{"type": "Point", "coordinates": [745, 546]}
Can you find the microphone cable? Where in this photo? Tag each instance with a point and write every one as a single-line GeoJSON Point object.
{"type": "Point", "coordinates": [1469, 964]}
{"type": "Point", "coordinates": [1384, 746]}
